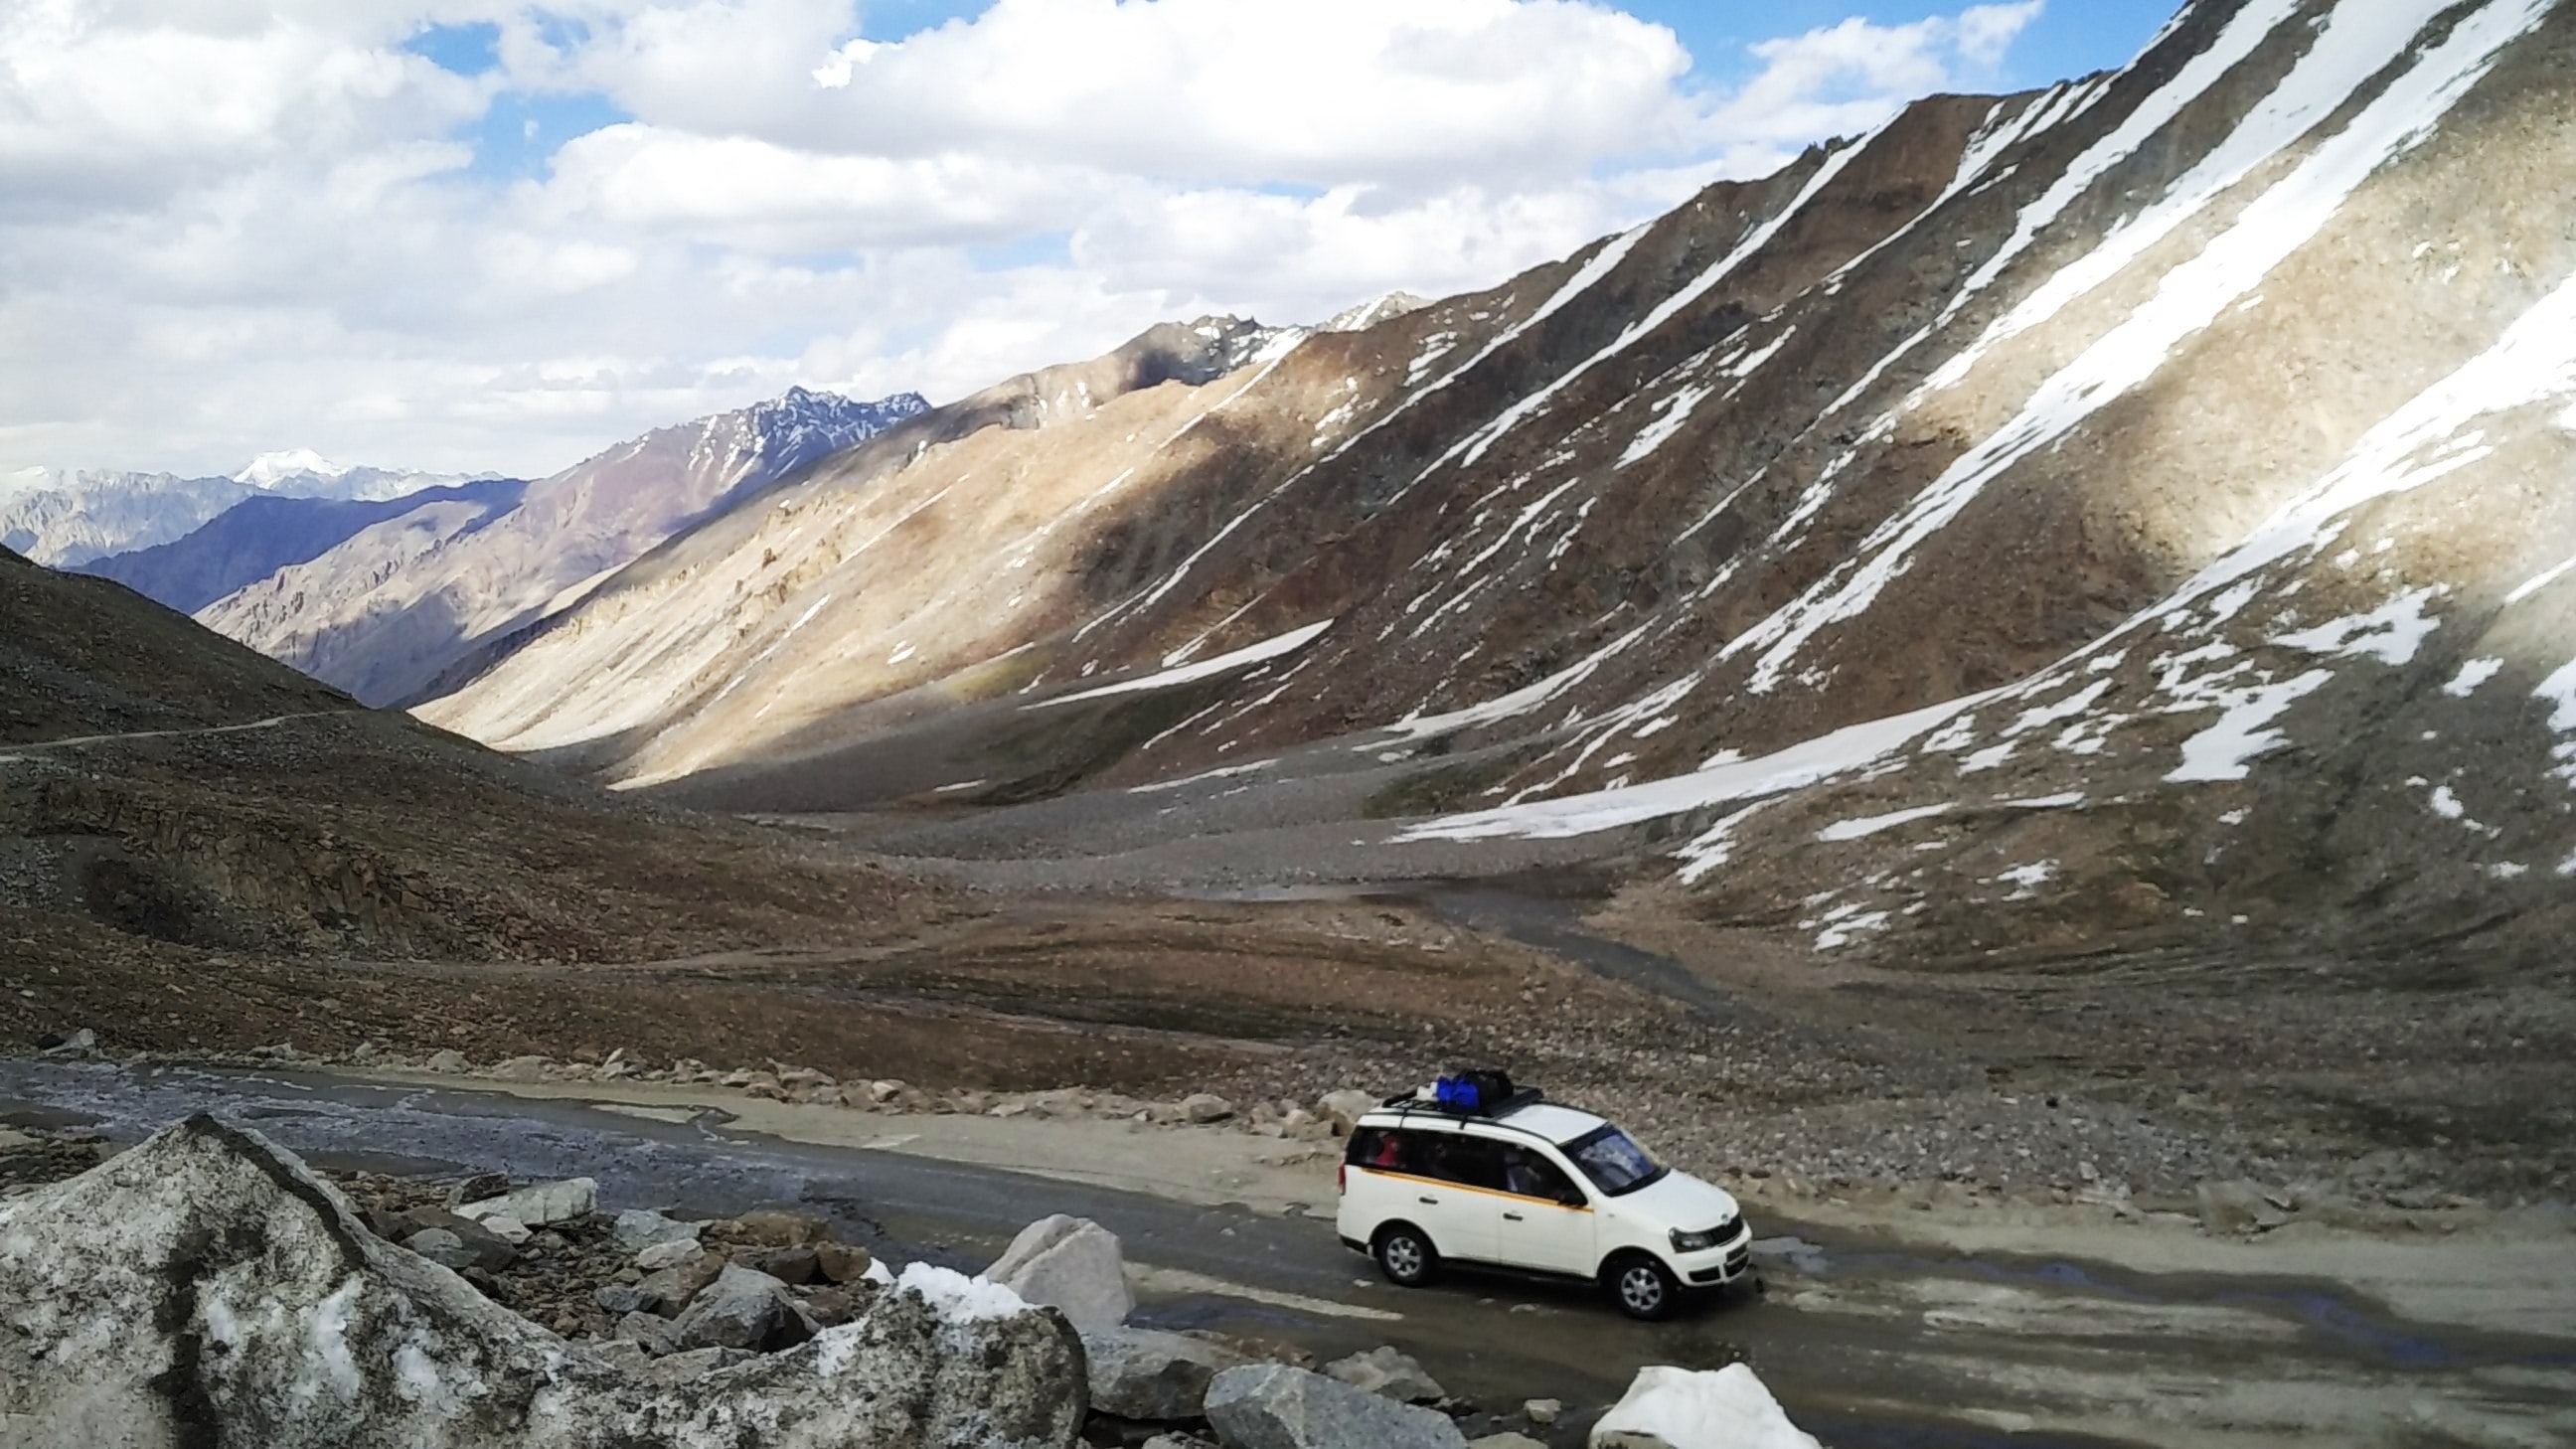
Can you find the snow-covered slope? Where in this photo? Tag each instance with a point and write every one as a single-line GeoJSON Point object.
{"type": "Point", "coordinates": [385, 611]}
{"type": "Point", "coordinates": [2138, 509]}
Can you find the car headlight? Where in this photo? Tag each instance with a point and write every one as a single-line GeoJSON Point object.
{"type": "Point", "coordinates": [1695, 1242]}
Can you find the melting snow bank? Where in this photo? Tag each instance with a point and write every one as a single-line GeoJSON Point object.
{"type": "Point", "coordinates": [1244, 658]}
{"type": "Point", "coordinates": [1670, 1408]}
{"type": "Point", "coordinates": [205, 1287]}
{"type": "Point", "coordinates": [1794, 768]}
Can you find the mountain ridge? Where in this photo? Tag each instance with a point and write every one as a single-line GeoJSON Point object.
{"type": "Point", "coordinates": [1806, 471]}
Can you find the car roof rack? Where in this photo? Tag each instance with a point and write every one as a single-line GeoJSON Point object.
{"type": "Point", "coordinates": [1405, 1104]}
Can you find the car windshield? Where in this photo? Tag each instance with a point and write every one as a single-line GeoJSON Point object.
{"type": "Point", "coordinates": [1614, 1161]}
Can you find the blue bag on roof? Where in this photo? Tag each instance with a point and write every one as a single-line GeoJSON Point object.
{"type": "Point", "coordinates": [1457, 1095]}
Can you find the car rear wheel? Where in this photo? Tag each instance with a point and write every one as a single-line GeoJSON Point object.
{"type": "Point", "coordinates": [1645, 1288]}
{"type": "Point", "coordinates": [1406, 1257]}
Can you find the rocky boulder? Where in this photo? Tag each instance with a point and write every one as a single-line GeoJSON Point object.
{"type": "Point", "coordinates": [1671, 1408]}
{"type": "Point", "coordinates": [1137, 1373]}
{"type": "Point", "coordinates": [1070, 1264]}
{"type": "Point", "coordinates": [205, 1288]}
{"type": "Point", "coordinates": [741, 1309]}
{"type": "Point", "coordinates": [540, 1206]}
{"type": "Point", "coordinates": [1272, 1406]}
{"type": "Point", "coordinates": [638, 1229]}
{"type": "Point", "coordinates": [1342, 1110]}
{"type": "Point", "coordinates": [1389, 1372]}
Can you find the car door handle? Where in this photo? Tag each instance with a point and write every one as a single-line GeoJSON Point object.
{"type": "Point", "coordinates": [1513, 1218]}
{"type": "Point", "coordinates": [1435, 1202]}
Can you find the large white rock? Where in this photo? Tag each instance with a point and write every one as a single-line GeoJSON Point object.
{"type": "Point", "coordinates": [1671, 1408]}
{"type": "Point", "coordinates": [1070, 1264]}
{"type": "Point", "coordinates": [204, 1288]}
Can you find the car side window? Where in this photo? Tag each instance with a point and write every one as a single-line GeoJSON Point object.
{"type": "Point", "coordinates": [1382, 1148]}
{"type": "Point", "coordinates": [1466, 1161]}
{"type": "Point", "coordinates": [1526, 1174]}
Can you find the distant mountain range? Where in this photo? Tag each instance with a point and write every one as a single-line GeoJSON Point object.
{"type": "Point", "coordinates": [67, 518]}
{"type": "Point", "coordinates": [382, 602]}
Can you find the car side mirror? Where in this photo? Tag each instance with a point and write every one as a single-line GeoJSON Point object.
{"type": "Point", "coordinates": [1570, 1197]}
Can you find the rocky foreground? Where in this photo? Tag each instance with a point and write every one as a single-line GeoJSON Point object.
{"type": "Point", "coordinates": [206, 1287]}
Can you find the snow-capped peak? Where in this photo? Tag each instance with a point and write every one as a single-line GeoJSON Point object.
{"type": "Point", "coordinates": [270, 469]}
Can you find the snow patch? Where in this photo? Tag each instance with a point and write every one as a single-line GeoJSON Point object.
{"type": "Point", "coordinates": [1799, 765]}
{"type": "Point", "coordinates": [1863, 829]}
{"type": "Point", "coordinates": [2225, 750]}
{"type": "Point", "coordinates": [958, 1298]}
{"type": "Point", "coordinates": [2027, 879]}
{"type": "Point", "coordinates": [2391, 633]}
{"type": "Point", "coordinates": [1243, 658]}
{"type": "Point", "coordinates": [2552, 576]}
{"type": "Point", "coordinates": [2472, 677]}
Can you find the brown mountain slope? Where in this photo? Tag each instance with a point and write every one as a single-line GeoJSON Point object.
{"type": "Point", "coordinates": [2212, 411]}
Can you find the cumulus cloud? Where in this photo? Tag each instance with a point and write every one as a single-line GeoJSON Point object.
{"type": "Point", "coordinates": [230, 226]}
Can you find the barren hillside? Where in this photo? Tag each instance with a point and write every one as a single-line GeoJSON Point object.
{"type": "Point", "coordinates": [2130, 514]}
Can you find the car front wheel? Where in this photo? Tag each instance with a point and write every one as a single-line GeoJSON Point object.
{"type": "Point", "coordinates": [1645, 1288]}
{"type": "Point", "coordinates": [1406, 1257]}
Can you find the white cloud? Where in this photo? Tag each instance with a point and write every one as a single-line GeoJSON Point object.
{"type": "Point", "coordinates": [230, 227]}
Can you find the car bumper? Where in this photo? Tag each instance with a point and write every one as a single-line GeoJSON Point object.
{"type": "Point", "coordinates": [1718, 1267]}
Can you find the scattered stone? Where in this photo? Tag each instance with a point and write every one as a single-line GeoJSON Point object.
{"type": "Point", "coordinates": [450, 1063]}
{"type": "Point", "coordinates": [669, 1290]}
{"type": "Point", "coordinates": [1671, 1408]}
{"type": "Point", "coordinates": [2229, 1209]}
{"type": "Point", "coordinates": [653, 1333]}
{"type": "Point", "coordinates": [832, 1307]}
{"type": "Point", "coordinates": [478, 1188]}
{"type": "Point", "coordinates": [638, 1229]}
{"type": "Point", "coordinates": [667, 1255]}
{"type": "Point", "coordinates": [79, 1044]}
{"type": "Point", "coordinates": [741, 1309]}
{"type": "Point", "coordinates": [1543, 1412]}
{"type": "Point", "coordinates": [1203, 1108]}
{"type": "Point", "coordinates": [795, 1077]}
{"type": "Point", "coordinates": [1342, 1110]}
{"type": "Point", "coordinates": [1505, 1441]}
{"type": "Point", "coordinates": [522, 1069]}
{"type": "Point", "coordinates": [1153, 1377]}
{"type": "Point", "coordinates": [791, 1266]}
{"type": "Point", "coordinates": [1071, 1264]}
{"type": "Point", "coordinates": [1390, 1372]}
{"type": "Point", "coordinates": [508, 1229]}
{"type": "Point", "coordinates": [774, 1228]}
{"type": "Point", "coordinates": [840, 1263]}
{"type": "Point", "coordinates": [1272, 1406]}
{"type": "Point", "coordinates": [541, 1206]}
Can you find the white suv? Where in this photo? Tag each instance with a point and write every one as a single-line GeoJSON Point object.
{"type": "Point", "coordinates": [1530, 1187]}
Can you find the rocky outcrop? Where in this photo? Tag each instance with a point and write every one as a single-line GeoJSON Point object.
{"type": "Point", "coordinates": [205, 1288]}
